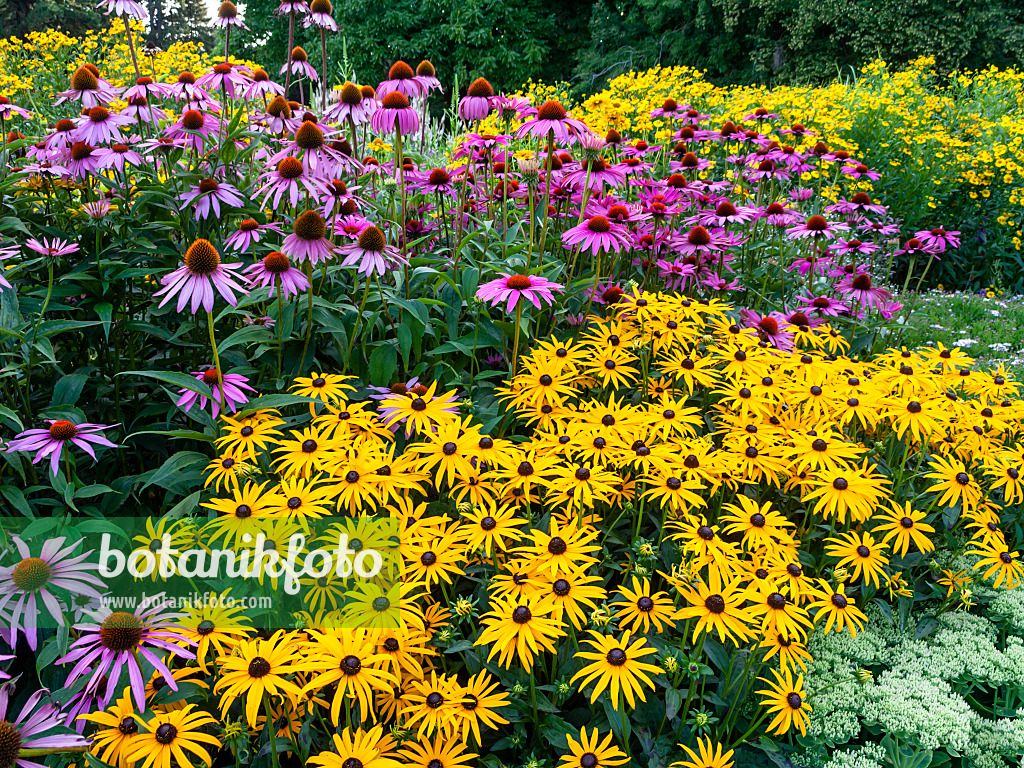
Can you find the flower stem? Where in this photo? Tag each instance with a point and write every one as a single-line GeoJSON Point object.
{"type": "Point", "coordinates": [280, 326]}
{"type": "Point", "coordinates": [270, 726]}
{"type": "Point", "coordinates": [515, 344]}
{"type": "Point", "coordinates": [216, 362]}
{"type": "Point", "coordinates": [131, 45]}
{"type": "Point", "coordinates": [355, 328]}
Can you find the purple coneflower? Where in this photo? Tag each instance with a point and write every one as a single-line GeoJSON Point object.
{"type": "Point", "coordinates": [551, 117]}
{"type": "Point", "coordinates": [509, 289]}
{"type": "Point", "coordinates": [104, 649]}
{"type": "Point", "coordinates": [816, 227]}
{"type": "Point", "coordinates": [825, 306]}
{"type": "Point", "coordinates": [605, 293]}
{"type": "Point", "coordinates": [859, 203]}
{"type": "Point", "coordinates": [289, 178]}
{"type": "Point", "coordinates": [670, 108]}
{"type": "Point", "coordinates": [321, 15]}
{"type": "Point", "coordinates": [117, 156]}
{"type": "Point", "coordinates": [51, 441]}
{"type": "Point", "coordinates": [395, 114]}
{"type": "Point", "coordinates": [400, 388]}
{"type": "Point", "coordinates": [88, 87]}
{"type": "Point", "coordinates": [224, 76]}
{"type": "Point", "coordinates": [207, 197]}
{"type": "Point", "coordinates": [227, 16]}
{"type": "Point", "coordinates": [227, 388]}
{"type": "Point", "coordinates": [100, 126]}
{"type": "Point", "coordinates": [426, 75]}
{"type": "Point", "coordinates": [96, 209]}
{"type": "Point", "coordinates": [186, 88]}
{"type": "Point", "coordinates": [249, 233]}
{"type": "Point", "coordinates": [939, 238]}
{"type": "Point", "coordinates": [676, 274]}
{"type": "Point", "coordinates": [477, 102]}
{"type": "Point", "coordinates": [860, 287]}
{"type": "Point", "coordinates": [916, 247]}
{"type": "Point", "coordinates": [761, 114]}
{"type": "Point", "coordinates": [52, 248]}
{"type": "Point", "coordinates": [123, 8]}
{"type": "Point", "coordinates": [261, 86]}
{"type": "Point", "coordinates": [24, 732]}
{"type": "Point", "coordinates": [141, 111]}
{"type": "Point", "coordinates": [371, 254]}
{"type": "Point", "coordinates": [308, 240]}
{"type": "Point", "coordinates": [511, 107]}
{"type": "Point", "coordinates": [7, 109]}
{"type": "Point", "coordinates": [34, 576]}
{"type": "Point", "coordinates": [769, 328]}
{"type": "Point", "coordinates": [276, 269]}
{"type": "Point", "coordinates": [859, 247]}
{"type": "Point", "coordinates": [195, 129]}
{"type": "Point", "coordinates": [401, 79]}
{"type": "Point", "coordinates": [83, 160]}
{"type": "Point", "coordinates": [147, 89]}
{"type": "Point", "coordinates": [350, 106]}
{"type": "Point", "coordinates": [597, 234]}
{"type": "Point", "coordinates": [300, 64]}
{"type": "Point", "coordinates": [858, 171]}
{"type": "Point", "coordinates": [196, 280]}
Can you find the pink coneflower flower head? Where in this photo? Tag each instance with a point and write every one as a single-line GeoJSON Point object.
{"type": "Point", "coordinates": [261, 86]}
{"type": "Point", "coordinates": [861, 288]}
{"type": "Point", "coordinates": [52, 440]}
{"type": "Point", "coordinates": [824, 305]}
{"type": "Point", "coordinates": [5, 253]}
{"type": "Point", "coordinates": [198, 278]}
{"type": "Point", "coordinates": [275, 269]}
{"type": "Point", "coordinates": [300, 64]}
{"type": "Point", "coordinates": [227, 16]}
{"type": "Point", "coordinates": [854, 246]}
{"type": "Point", "coordinates": [769, 328]}
{"type": "Point", "coordinates": [477, 102]}
{"type": "Point", "coordinates": [606, 293]}
{"type": "Point", "coordinates": [30, 581]}
{"type": "Point", "coordinates": [762, 114]}
{"type": "Point", "coordinates": [350, 104]}
{"type": "Point", "coordinates": [676, 274]}
{"type": "Point", "coordinates": [426, 74]}
{"type": "Point", "coordinates": [208, 195]}
{"type": "Point", "coordinates": [96, 209]}
{"type": "Point", "coordinates": [779, 215]}
{"type": "Point", "coordinates": [130, 8]}
{"type": "Point", "coordinates": [25, 731]}
{"type": "Point", "coordinates": [916, 247]}
{"type": "Point", "coordinates": [859, 203]}
{"type": "Point", "coordinates": [52, 248]}
{"type": "Point", "coordinates": [511, 107]}
{"type": "Point", "coordinates": [195, 128]}
{"type": "Point", "coordinates": [816, 227]}
{"type": "Point", "coordinates": [511, 289]}
{"type": "Point", "coordinates": [321, 15]}
{"type": "Point", "coordinates": [224, 76]}
{"type": "Point", "coordinates": [226, 388]}
{"type": "Point", "coordinates": [670, 108]}
{"type": "Point", "coordinates": [88, 87]}
{"type": "Point", "coordinates": [551, 118]}
{"type": "Point", "coordinates": [288, 180]}
{"type": "Point", "coordinates": [370, 253]}
{"type": "Point", "coordinates": [84, 160]}
{"type": "Point", "coordinates": [7, 109]}
{"type": "Point", "coordinates": [858, 171]}
{"type": "Point", "coordinates": [105, 649]}
{"type": "Point", "coordinates": [403, 80]}
{"type": "Point", "coordinates": [308, 240]}
{"type": "Point", "coordinates": [395, 114]}
{"type": "Point", "coordinates": [939, 238]}
{"type": "Point", "coordinates": [298, 7]}
{"type": "Point", "coordinates": [597, 234]}
{"type": "Point", "coordinates": [249, 233]}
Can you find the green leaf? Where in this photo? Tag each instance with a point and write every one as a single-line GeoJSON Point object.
{"type": "Point", "coordinates": [68, 389]}
{"type": "Point", "coordinates": [247, 335]}
{"type": "Point", "coordinates": [7, 413]}
{"type": "Point", "coordinates": [383, 364]}
{"type": "Point", "coordinates": [106, 312]}
{"type": "Point", "coordinates": [175, 434]}
{"type": "Point", "coordinates": [182, 380]}
{"type": "Point", "coordinates": [53, 327]}
{"type": "Point", "coordinates": [171, 471]}
{"type": "Point", "coordinates": [16, 498]}
{"type": "Point", "coordinates": [404, 335]}
{"type": "Point", "coordinates": [274, 401]}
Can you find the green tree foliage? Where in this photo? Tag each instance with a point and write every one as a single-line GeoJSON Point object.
{"type": "Point", "coordinates": [73, 16]}
{"type": "Point", "coordinates": [509, 43]}
{"type": "Point", "coordinates": [797, 40]}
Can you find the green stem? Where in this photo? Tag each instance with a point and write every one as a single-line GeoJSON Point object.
{"type": "Point", "coordinates": [270, 727]}
{"type": "Point", "coordinates": [216, 362]}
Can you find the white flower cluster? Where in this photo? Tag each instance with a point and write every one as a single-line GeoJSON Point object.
{"type": "Point", "coordinates": [920, 693]}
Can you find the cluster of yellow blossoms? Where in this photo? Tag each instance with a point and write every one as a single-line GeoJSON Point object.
{"type": "Point", "coordinates": [675, 482]}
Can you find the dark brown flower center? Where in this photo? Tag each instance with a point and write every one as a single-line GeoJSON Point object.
{"type": "Point", "coordinates": [310, 226]}
{"type": "Point", "coordinates": [480, 88]}
{"type": "Point", "coordinates": [83, 80]}
{"type": "Point", "coordinates": [121, 631]}
{"type": "Point", "coordinates": [193, 120]}
{"type": "Point", "coordinates": [715, 604]}
{"type": "Point", "coordinates": [551, 110]}
{"type": "Point", "coordinates": [599, 224]}
{"type": "Point", "coordinates": [372, 239]}
{"type": "Point", "coordinates": [31, 574]}
{"type": "Point", "coordinates": [395, 100]}
{"type": "Point", "coordinates": [201, 258]}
